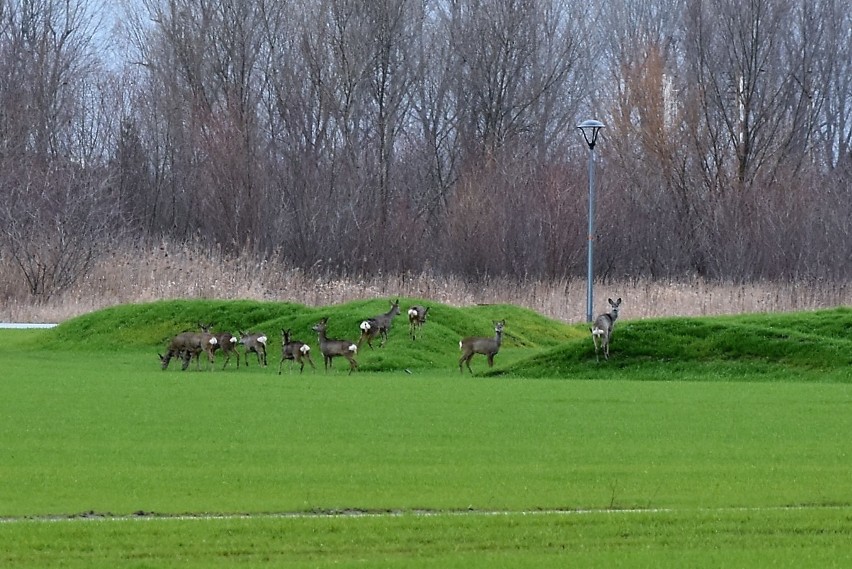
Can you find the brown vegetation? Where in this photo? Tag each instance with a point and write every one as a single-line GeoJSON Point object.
{"type": "Point", "coordinates": [166, 272]}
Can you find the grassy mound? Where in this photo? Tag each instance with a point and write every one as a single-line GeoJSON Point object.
{"type": "Point", "coordinates": [766, 346]}
{"type": "Point", "coordinates": [769, 346]}
{"type": "Point", "coordinates": [150, 326]}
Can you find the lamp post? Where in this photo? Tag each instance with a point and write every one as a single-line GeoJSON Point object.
{"type": "Point", "coordinates": [590, 129]}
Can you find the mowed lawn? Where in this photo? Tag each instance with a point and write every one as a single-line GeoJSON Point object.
{"type": "Point", "coordinates": [427, 468]}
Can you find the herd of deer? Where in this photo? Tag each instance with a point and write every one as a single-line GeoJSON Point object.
{"type": "Point", "coordinates": [187, 345]}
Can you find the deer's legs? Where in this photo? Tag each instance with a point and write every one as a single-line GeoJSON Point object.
{"type": "Point", "coordinates": [465, 359]}
{"type": "Point", "coordinates": [309, 361]}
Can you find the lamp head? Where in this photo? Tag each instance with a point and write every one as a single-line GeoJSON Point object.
{"type": "Point", "coordinates": [590, 129]}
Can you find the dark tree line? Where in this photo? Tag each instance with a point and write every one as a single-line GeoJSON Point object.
{"type": "Point", "coordinates": [358, 136]}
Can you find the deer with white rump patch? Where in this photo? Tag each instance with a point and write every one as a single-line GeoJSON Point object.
{"type": "Point", "coordinates": [602, 329]}
{"type": "Point", "coordinates": [188, 344]}
{"type": "Point", "coordinates": [254, 343]}
{"type": "Point", "coordinates": [333, 348]}
{"type": "Point", "coordinates": [227, 342]}
{"type": "Point", "coordinates": [378, 326]}
{"type": "Point", "coordinates": [486, 346]}
{"type": "Point", "coordinates": [295, 351]}
{"type": "Point", "coordinates": [416, 319]}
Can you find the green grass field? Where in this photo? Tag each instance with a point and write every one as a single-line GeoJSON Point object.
{"type": "Point", "coordinates": [702, 443]}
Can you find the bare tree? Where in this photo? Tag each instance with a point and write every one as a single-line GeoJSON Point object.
{"type": "Point", "coordinates": [55, 120]}
{"type": "Point", "coordinates": [207, 61]}
{"type": "Point", "coordinates": [832, 87]}
{"type": "Point", "coordinates": [642, 48]}
{"type": "Point", "coordinates": [48, 58]}
{"type": "Point", "coordinates": [54, 225]}
{"type": "Point", "coordinates": [508, 55]}
{"type": "Point", "coordinates": [749, 65]}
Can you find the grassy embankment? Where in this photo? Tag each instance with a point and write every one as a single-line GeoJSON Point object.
{"type": "Point", "coordinates": [729, 434]}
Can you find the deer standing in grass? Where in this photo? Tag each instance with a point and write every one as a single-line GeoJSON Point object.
{"type": "Point", "coordinates": [602, 329]}
{"type": "Point", "coordinates": [188, 344]}
{"type": "Point", "coordinates": [486, 346]}
{"type": "Point", "coordinates": [416, 319]}
{"type": "Point", "coordinates": [295, 351]}
{"type": "Point", "coordinates": [333, 348]}
{"type": "Point", "coordinates": [378, 326]}
{"type": "Point", "coordinates": [227, 342]}
{"type": "Point", "coordinates": [254, 343]}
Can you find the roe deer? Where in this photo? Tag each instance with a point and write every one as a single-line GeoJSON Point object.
{"type": "Point", "coordinates": [485, 346]}
{"type": "Point", "coordinates": [378, 326]}
{"type": "Point", "coordinates": [295, 351]}
{"type": "Point", "coordinates": [254, 343]}
{"type": "Point", "coordinates": [227, 342]}
{"type": "Point", "coordinates": [207, 343]}
{"type": "Point", "coordinates": [603, 328]}
{"type": "Point", "coordinates": [188, 344]}
{"type": "Point", "coordinates": [416, 319]}
{"type": "Point", "coordinates": [334, 348]}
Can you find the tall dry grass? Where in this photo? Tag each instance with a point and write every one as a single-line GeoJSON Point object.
{"type": "Point", "coordinates": [168, 271]}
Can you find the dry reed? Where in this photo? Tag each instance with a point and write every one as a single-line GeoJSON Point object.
{"type": "Point", "coordinates": [172, 272]}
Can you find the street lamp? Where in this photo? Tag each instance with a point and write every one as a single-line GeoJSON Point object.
{"type": "Point", "coordinates": [590, 129]}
